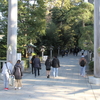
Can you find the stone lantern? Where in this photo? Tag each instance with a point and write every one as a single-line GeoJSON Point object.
{"type": "Point", "coordinates": [30, 49]}
{"type": "Point", "coordinates": [42, 50]}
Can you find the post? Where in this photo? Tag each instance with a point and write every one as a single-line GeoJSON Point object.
{"type": "Point", "coordinates": [51, 48]}
{"type": "Point", "coordinates": [96, 38]}
{"type": "Point", "coordinates": [12, 31]}
{"type": "Point", "coordinates": [96, 78]}
{"type": "Point", "coordinates": [42, 54]}
{"type": "Point", "coordinates": [58, 51]}
{"type": "Point", "coordinates": [43, 50]}
{"type": "Point", "coordinates": [51, 54]}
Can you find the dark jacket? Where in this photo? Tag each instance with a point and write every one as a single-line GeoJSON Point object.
{"type": "Point", "coordinates": [48, 64]}
{"type": "Point", "coordinates": [17, 72]}
{"type": "Point", "coordinates": [32, 61]}
{"type": "Point", "coordinates": [55, 63]}
{"type": "Point", "coordinates": [36, 63]}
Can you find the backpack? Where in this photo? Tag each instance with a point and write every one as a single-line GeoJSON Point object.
{"type": "Point", "coordinates": [82, 63]}
{"type": "Point", "coordinates": [48, 64]}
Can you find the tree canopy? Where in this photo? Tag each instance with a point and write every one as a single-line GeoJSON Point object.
{"type": "Point", "coordinates": [64, 23]}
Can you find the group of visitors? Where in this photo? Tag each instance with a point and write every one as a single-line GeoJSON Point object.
{"type": "Point", "coordinates": [68, 51]}
{"type": "Point", "coordinates": [36, 65]}
{"type": "Point", "coordinates": [55, 64]}
{"type": "Point", "coordinates": [16, 72]}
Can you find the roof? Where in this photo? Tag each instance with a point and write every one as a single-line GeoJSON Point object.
{"type": "Point", "coordinates": [32, 45]}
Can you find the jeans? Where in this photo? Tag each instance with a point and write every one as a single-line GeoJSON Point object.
{"type": "Point", "coordinates": [32, 68]}
{"type": "Point", "coordinates": [36, 70]}
{"type": "Point", "coordinates": [55, 72]}
{"type": "Point", "coordinates": [82, 71]}
{"type": "Point", "coordinates": [6, 80]}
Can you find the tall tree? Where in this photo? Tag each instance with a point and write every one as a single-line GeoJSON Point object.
{"type": "Point", "coordinates": [31, 21]}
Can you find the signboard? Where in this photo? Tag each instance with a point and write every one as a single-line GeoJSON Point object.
{"type": "Point", "coordinates": [18, 56]}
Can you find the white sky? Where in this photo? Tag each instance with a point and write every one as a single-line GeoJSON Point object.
{"type": "Point", "coordinates": [85, 0]}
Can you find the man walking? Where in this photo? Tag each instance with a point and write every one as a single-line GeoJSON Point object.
{"type": "Point", "coordinates": [55, 65]}
{"type": "Point", "coordinates": [37, 65]}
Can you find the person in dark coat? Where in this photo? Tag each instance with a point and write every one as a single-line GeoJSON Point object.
{"type": "Point", "coordinates": [55, 65]}
{"type": "Point", "coordinates": [18, 73]}
{"type": "Point", "coordinates": [37, 65]}
{"type": "Point", "coordinates": [48, 66]}
{"type": "Point", "coordinates": [32, 63]}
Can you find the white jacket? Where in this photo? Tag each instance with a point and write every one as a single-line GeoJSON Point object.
{"type": "Point", "coordinates": [4, 68]}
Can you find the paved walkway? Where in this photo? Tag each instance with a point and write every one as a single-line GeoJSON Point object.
{"type": "Point", "coordinates": [68, 86]}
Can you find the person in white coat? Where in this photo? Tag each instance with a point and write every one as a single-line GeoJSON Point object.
{"type": "Point", "coordinates": [6, 66]}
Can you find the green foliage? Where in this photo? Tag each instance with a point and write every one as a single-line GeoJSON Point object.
{"type": "Point", "coordinates": [70, 24]}
{"type": "Point", "coordinates": [86, 40]}
{"type": "Point", "coordinates": [65, 32]}
{"type": "Point", "coordinates": [26, 63]}
{"type": "Point", "coordinates": [98, 50]}
{"type": "Point", "coordinates": [31, 22]}
{"type": "Point", "coordinates": [50, 37]}
{"type": "Point", "coordinates": [91, 65]}
{"type": "Point", "coordinates": [80, 18]}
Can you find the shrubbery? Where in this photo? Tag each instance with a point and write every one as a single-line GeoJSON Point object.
{"type": "Point", "coordinates": [91, 65]}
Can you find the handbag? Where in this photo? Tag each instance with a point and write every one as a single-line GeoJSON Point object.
{"type": "Point", "coordinates": [11, 80]}
{"type": "Point", "coordinates": [1, 76]}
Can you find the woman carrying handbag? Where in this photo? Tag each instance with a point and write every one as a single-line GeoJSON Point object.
{"type": "Point", "coordinates": [18, 73]}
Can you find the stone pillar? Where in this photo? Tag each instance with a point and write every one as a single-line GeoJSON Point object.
{"type": "Point", "coordinates": [96, 38]}
{"type": "Point", "coordinates": [12, 31]}
{"type": "Point", "coordinates": [96, 78]}
{"type": "Point", "coordinates": [51, 54]}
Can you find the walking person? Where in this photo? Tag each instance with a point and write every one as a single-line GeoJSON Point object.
{"type": "Point", "coordinates": [48, 66]}
{"type": "Point", "coordinates": [32, 63]}
{"type": "Point", "coordinates": [55, 65]}
{"type": "Point", "coordinates": [18, 73]}
{"type": "Point", "coordinates": [62, 53]}
{"type": "Point", "coordinates": [82, 63]}
{"type": "Point", "coordinates": [6, 70]}
{"type": "Point", "coordinates": [37, 65]}
{"type": "Point", "coordinates": [82, 54]}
